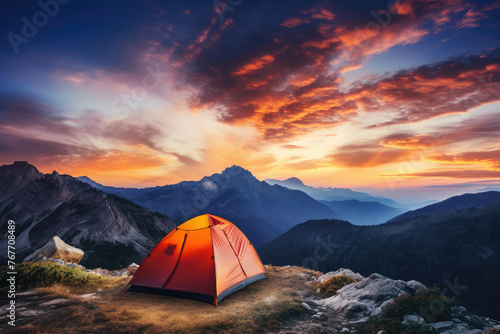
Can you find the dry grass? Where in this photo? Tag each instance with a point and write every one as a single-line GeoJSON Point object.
{"type": "Point", "coordinates": [329, 287]}
{"type": "Point", "coordinates": [259, 307]}
{"type": "Point", "coordinates": [56, 291]}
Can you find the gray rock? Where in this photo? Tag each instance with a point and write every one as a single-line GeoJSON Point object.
{"type": "Point", "coordinates": [306, 306]}
{"type": "Point", "coordinates": [120, 273]}
{"type": "Point", "coordinates": [341, 271]}
{"type": "Point", "coordinates": [367, 297]}
{"type": "Point", "coordinates": [479, 322]}
{"type": "Point", "coordinates": [345, 330]}
{"type": "Point", "coordinates": [31, 313]}
{"type": "Point", "coordinates": [414, 286]}
{"type": "Point", "coordinates": [316, 316]}
{"type": "Point", "coordinates": [441, 326]}
{"type": "Point", "coordinates": [457, 311]}
{"type": "Point", "coordinates": [53, 302]}
{"type": "Point", "coordinates": [356, 308]}
{"type": "Point", "coordinates": [55, 248]}
{"type": "Point", "coordinates": [413, 320]}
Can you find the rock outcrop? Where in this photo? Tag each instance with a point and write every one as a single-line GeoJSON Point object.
{"type": "Point", "coordinates": [55, 248]}
{"type": "Point", "coordinates": [365, 300]}
{"type": "Point", "coordinates": [367, 297]}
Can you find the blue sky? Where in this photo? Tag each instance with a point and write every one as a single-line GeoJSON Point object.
{"type": "Point", "coordinates": [338, 94]}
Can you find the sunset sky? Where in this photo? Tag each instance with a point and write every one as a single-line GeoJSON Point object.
{"type": "Point", "coordinates": [398, 98]}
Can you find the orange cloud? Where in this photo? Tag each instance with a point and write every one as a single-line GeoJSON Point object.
{"type": "Point", "coordinates": [402, 7]}
{"type": "Point", "coordinates": [324, 14]}
{"type": "Point", "coordinates": [413, 142]}
{"type": "Point", "coordinates": [454, 174]}
{"type": "Point", "coordinates": [365, 155]}
{"type": "Point", "coordinates": [294, 22]}
{"type": "Point", "coordinates": [491, 159]}
{"type": "Point", "coordinates": [255, 65]}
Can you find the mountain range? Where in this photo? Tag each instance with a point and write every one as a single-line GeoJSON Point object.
{"type": "Point", "coordinates": [112, 231]}
{"type": "Point", "coordinates": [452, 248]}
{"type": "Point", "coordinates": [363, 213]}
{"type": "Point", "coordinates": [464, 201]}
{"type": "Point", "coordinates": [344, 194]}
{"type": "Point", "coordinates": [262, 211]}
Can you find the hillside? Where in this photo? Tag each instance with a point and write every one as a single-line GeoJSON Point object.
{"type": "Point", "coordinates": [363, 213]}
{"type": "Point", "coordinates": [260, 210]}
{"type": "Point", "coordinates": [454, 203]}
{"type": "Point", "coordinates": [458, 247]}
{"type": "Point", "coordinates": [111, 230]}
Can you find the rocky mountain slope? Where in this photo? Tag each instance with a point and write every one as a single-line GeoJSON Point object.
{"type": "Point", "coordinates": [458, 250]}
{"type": "Point", "coordinates": [454, 203]}
{"type": "Point", "coordinates": [363, 213]}
{"type": "Point", "coordinates": [260, 210]}
{"type": "Point", "coordinates": [111, 230]}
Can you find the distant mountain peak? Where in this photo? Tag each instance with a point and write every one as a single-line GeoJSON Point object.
{"type": "Point", "coordinates": [295, 181]}
{"type": "Point", "coordinates": [88, 180]}
{"type": "Point", "coordinates": [235, 170]}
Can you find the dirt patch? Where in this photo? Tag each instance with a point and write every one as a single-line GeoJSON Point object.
{"type": "Point", "coordinates": [267, 305]}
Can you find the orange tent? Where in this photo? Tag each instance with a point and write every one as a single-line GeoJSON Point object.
{"type": "Point", "coordinates": [207, 258]}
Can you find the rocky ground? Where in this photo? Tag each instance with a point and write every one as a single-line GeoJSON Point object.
{"type": "Point", "coordinates": [287, 302]}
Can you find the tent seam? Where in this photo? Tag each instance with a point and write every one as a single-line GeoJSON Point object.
{"type": "Point", "coordinates": [237, 257]}
{"type": "Point", "coordinates": [176, 264]}
{"type": "Point", "coordinates": [215, 264]}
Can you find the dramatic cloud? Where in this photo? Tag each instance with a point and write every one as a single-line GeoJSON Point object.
{"type": "Point", "coordinates": [260, 84]}
{"type": "Point", "coordinates": [366, 155]}
{"type": "Point", "coordinates": [489, 158]}
{"type": "Point", "coordinates": [406, 141]}
{"type": "Point", "coordinates": [39, 133]}
{"type": "Point", "coordinates": [480, 130]}
{"type": "Point", "coordinates": [285, 78]}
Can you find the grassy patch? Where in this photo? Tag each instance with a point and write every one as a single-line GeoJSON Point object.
{"type": "Point", "coordinates": [429, 304]}
{"type": "Point", "coordinates": [57, 291]}
{"type": "Point", "coordinates": [330, 286]}
{"type": "Point", "coordinates": [45, 274]}
{"type": "Point", "coordinates": [493, 331]}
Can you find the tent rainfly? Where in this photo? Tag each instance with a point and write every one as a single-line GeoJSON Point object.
{"type": "Point", "coordinates": [207, 258]}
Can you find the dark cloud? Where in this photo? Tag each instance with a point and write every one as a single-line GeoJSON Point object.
{"type": "Point", "coordinates": [39, 133]}
{"type": "Point", "coordinates": [481, 130]}
{"type": "Point", "coordinates": [453, 86]}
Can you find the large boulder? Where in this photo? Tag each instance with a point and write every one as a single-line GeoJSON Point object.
{"type": "Point", "coordinates": [55, 248]}
{"type": "Point", "coordinates": [366, 298]}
